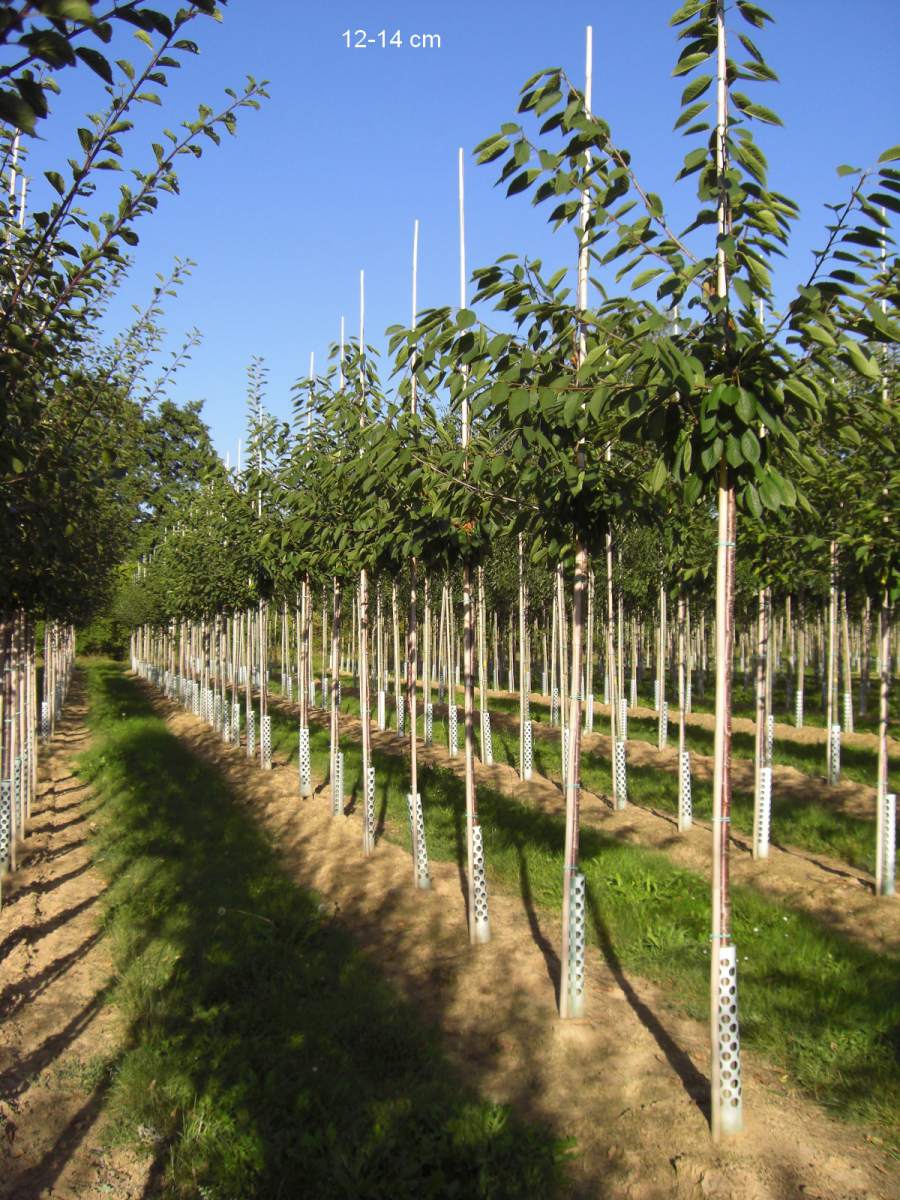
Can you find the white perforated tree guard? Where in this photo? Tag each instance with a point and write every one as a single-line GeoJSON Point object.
{"type": "Point", "coordinates": [304, 762]}
{"type": "Point", "coordinates": [623, 720]}
{"type": "Point", "coordinates": [337, 785]}
{"type": "Point", "coordinates": [527, 750]}
{"type": "Point", "coordinates": [337, 693]}
{"type": "Point", "coordinates": [251, 732]}
{"type": "Point", "coordinates": [656, 694]}
{"type": "Point", "coordinates": [589, 714]}
{"type": "Point", "coordinates": [326, 692]}
{"type": "Point", "coordinates": [401, 715]}
{"type": "Point", "coordinates": [382, 710]}
{"type": "Point", "coordinates": [18, 794]}
{"type": "Point", "coordinates": [554, 707]}
{"type": "Point", "coordinates": [848, 712]}
{"type": "Point", "coordinates": [217, 712]}
{"type": "Point", "coordinates": [565, 754]}
{"type": "Point", "coordinates": [482, 931]}
{"type": "Point", "coordinates": [621, 778]}
{"type": "Point", "coordinates": [195, 701]}
{"type": "Point", "coordinates": [770, 736]}
{"type": "Point", "coordinates": [312, 692]}
{"type": "Point", "coordinates": [226, 723]}
{"type": "Point", "coordinates": [452, 731]}
{"type": "Point", "coordinates": [577, 941]}
{"type": "Point", "coordinates": [835, 776]}
{"type": "Point", "coordinates": [888, 844]}
{"type": "Point", "coordinates": [417, 834]}
{"type": "Point", "coordinates": [763, 814]}
{"type": "Point", "coordinates": [685, 802]}
{"type": "Point", "coordinates": [265, 728]}
{"type": "Point", "coordinates": [369, 812]}
{"type": "Point", "coordinates": [290, 689]}
{"type": "Point", "coordinates": [5, 821]}
{"type": "Point", "coordinates": [236, 723]}
{"type": "Point", "coordinates": [728, 1043]}
{"type": "Point", "coordinates": [429, 724]}
{"type": "Point", "coordinates": [664, 725]}
{"type": "Point", "coordinates": [487, 741]}
{"type": "Point", "coordinates": [798, 708]}
{"type": "Point", "coordinates": [45, 719]}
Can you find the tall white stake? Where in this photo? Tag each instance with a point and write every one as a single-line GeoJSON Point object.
{"type": "Point", "coordinates": [479, 924]}
{"type": "Point", "coordinates": [571, 990]}
{"type": "Point", "coordinates": [725, 1073]}
{"type": "Point", "coordinates": [368, 771]}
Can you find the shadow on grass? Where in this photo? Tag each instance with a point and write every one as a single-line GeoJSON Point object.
{"type": "Point", "coordinates": [265, 1050]}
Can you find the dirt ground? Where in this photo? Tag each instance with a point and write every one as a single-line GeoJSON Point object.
{"type": "Point", "coordinates": [628, 1082]}
{"type": "Point", "coordinates": [56, 1030]}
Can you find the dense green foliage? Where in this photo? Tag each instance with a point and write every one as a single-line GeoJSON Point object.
{"type": "Point", "coordinates": [83, 443]}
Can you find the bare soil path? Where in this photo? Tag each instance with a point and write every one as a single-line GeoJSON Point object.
{"type": "Point", "coordinates": [58, 1034]}
{"type": "Point", "coordinates": [628, 1083]}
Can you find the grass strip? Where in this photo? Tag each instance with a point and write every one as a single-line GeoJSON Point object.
{"type": "Point", "coordinates": [266, 1055]}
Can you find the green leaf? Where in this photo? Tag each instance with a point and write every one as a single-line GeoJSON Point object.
{"type": "Point", "coordinates": [861, 362]}
{"type": "Point", "coordinates": [645, 277]}
{"type": "Point", "coordinates": [686, 64]}
{"type": "Point", "coordinates": [694, 161]}
{"type": "Point", "coordinates": [753, 14]}
{"type": "Point", "coordinates": [745, 406]}
{"type": "Point", "coordinates": [523, 180]}
{"type": "Point", "coordinates": [890, 155]}
{"type": "Point", "coordinates": [14, 111]}
{"type": "Point", "coordinates": [689, 113]}
{"type": "Point", "coordinates": [72, 10]}
{"type": "Point", "coordinates": [56, 181]}
{"type": "Point", "coordinates": [752, 501]}
{"type": "Point", "coordinates": [519, 402]}
{"type": "Point", "coordinates": [692, 489]}
{"type": "Point", "coordinates": [465, 317]}
{"type": "Point", "coordinates": [96, 61]}
{"type": "Point", "coordinates": [694, 89]}
{"type": "Point", "coordinates": [687, 10]}
{"type": "Point", "coordinates": [750, 446]}
{"type": "Point", "coordinates": [658, 476]}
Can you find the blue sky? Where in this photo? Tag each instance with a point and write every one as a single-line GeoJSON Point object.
{"type": "Point", "coordinates": [354, 144]}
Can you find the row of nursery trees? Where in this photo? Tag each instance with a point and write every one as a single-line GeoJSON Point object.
{"type": "Point", "coordinates": [575, 459]}
{"type": "Point", "coordinates": [91, 451]}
